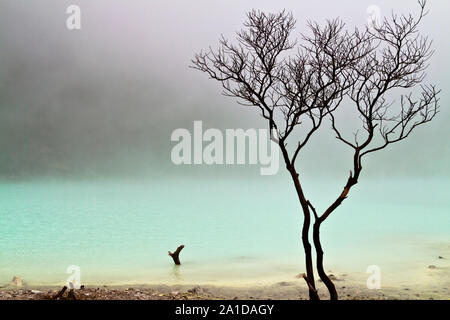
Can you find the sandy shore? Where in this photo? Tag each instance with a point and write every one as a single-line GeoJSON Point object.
{"type": "Point", "coordinates": [278, 291]}
{"type": "Point", "coordinates": [427, 283]}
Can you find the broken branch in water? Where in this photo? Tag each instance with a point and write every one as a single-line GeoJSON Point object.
{"type": "Point", "coordinates": [175, 255]}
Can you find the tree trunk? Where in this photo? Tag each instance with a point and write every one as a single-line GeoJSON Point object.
{"type": "Point", "coordinates": [306, 224]}
{"type": "Point", "coordinates": [319, 257]}
{"type": "Point", "coordinates": [308, 258]}
{"type": "Point", "coordinates": [352, 180]}
{"type": "Point", "coordinates": [305, 237]}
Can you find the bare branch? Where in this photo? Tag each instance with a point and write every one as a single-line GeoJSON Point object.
{"type": "Point", "coordinates": [398, 62]}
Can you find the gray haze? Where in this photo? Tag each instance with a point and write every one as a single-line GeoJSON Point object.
{"type": "Point", "coordinates": [104, 100]}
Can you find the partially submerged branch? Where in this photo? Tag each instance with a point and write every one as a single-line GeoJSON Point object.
{"type": "Point", "coordinates": [176, 255]}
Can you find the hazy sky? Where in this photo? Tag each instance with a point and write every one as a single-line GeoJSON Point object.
{"type": "Point", "coordinates": [104, 100]}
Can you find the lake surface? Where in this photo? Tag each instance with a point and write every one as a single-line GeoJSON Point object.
{"type": "Point", "coordinates": [234, 231]}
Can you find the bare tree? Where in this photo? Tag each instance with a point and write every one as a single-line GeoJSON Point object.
{"type": "Point", "coordinates": [302, 90]}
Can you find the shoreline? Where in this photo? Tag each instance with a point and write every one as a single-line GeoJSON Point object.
{"type": "Point", "coordinates": [278, 291]}
{"type": "Point", "coordinates": [420, 283]}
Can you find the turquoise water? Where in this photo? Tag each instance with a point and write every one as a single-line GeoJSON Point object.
{"type": "Point", "coordinates": [234, 231]}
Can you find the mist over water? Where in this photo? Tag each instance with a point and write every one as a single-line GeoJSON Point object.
{"type": "Point", "coordinates": [85, 170]}
{"type": "Point", "coordinates": [103, 101]}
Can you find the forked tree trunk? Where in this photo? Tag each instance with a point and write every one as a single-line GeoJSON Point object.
{"type": "Point", "coordinates": [352, 180]}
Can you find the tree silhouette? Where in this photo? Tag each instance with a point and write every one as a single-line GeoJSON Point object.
{"type": "Point", "coordinates": [332, 66]}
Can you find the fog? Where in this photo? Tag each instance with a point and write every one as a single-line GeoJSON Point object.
{"type": "Point", "coordinates": [102, 101]}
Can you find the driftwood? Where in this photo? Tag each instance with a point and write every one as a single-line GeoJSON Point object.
{"type": "Point", "coordinates": [175, 255]}
{"type": "Point", "coordinates": [60, 293]}
{"type": "Point", "coordinates": [70, 295]}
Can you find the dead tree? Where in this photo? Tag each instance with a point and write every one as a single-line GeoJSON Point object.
{"type": "Point", "coordinates": [301, 91]}
{"type": "Point", "coordinates": [289, 91]}
{"type": "Point", "coordinates": [176, 255]}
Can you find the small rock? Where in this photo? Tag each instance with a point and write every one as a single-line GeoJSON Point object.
{"type": "Point", "coordinates": [16, 281]}
{"type": "Point", "coordinates": [196, 289]}
{"type": "Point", "coordinates": [441, 257]}
{"type": "Point", "coordinates": [332, 277]}
{"type": "Point", "coordinates": [432, 267]}
{"type": "Point", "coordinates": [35, 291]}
